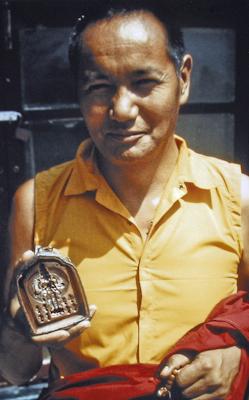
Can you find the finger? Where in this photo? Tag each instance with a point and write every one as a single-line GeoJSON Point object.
{"type": "Point", "coordinates": [79, 328]}
{"type": "Point", "coordinates": [51, 338]}
{"type": "Point", "coordinates": [27, 255]}
{"type": "Point", "coordinates": [14, 306]}
{"type": "Point", "coordinates": [176, 361]}
{"type": "Point", "coordinates": [191, 373]}
{"type": "Point", "coordinates": [199, 388]}
{"type": "Point", "coordinates": [208, 396]}
{"type": "Point", "coordinates": [92, 310]}
{"type": "Point", "coordinates": [61, 336]}
{"type": "Point", "coordinates": [76, 331]}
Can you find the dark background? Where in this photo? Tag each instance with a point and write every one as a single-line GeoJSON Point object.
{"type": "Point", "coordinates": [40, 123]}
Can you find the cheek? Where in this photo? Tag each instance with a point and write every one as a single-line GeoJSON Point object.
{"type": "Point", "coordinates": [94, 115]}
{"type": "Point", "coordinates": [162, 117]}
{"type": "Point", "coordinates": [161, 105]}
{"type": "Point", "coordinates": [157, 113]}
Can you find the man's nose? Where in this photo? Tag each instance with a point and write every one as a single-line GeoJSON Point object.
{"type": "Point", "coordinates": [124, 107]}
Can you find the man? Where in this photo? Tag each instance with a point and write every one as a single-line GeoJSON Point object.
{"type": "Point", "coordinates": [153, 228]}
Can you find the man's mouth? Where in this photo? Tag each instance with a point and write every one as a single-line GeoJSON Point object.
{"type": "Point", "coordinates": [124, 136]}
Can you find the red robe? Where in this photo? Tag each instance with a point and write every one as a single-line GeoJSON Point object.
{"type": "Point", "coordinates": [227, 325]}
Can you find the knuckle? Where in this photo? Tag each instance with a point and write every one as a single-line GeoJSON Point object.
{"type": "Point", "coordinates": [172, 359]}
{"type": "Point", "coordinates": [176, 360]}
{"type": "Point", "coordinates": [180, 380]}
{"type": "Point", "coordinates": [218, 381]}
{"type": "Point", "coordinates": [220, 394]}
{"type": "Point", "coordinates": [223, 395]}
{"type": "Point", "coordinates": [186, 394]}
{"type": "Point", "coordinates": [206, 364]}
{"type": "Point", "coordinates": [213, 382]}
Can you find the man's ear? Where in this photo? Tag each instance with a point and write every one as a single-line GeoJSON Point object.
{"type": "Point", "coordinates": [185, 74]}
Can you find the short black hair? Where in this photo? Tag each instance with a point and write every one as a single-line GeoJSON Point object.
{"type": "Point", "coordinates": [94, 10]}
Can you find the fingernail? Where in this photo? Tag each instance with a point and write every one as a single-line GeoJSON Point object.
{"type": "Point", "coordinates": [165, 370]}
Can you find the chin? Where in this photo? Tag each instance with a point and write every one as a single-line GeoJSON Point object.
{"type": "Point", "coordinates": [133, 155]}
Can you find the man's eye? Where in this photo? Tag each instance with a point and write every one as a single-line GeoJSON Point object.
{"type": "Point", "coordinates": [146, 82]}
{"type": "Point", "coordinates": [145, 86]}
{"type": "Point", "coordinates": [98, 87]}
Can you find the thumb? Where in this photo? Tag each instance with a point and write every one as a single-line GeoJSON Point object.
{"type": "Point", "coordinates": [175, 362]}
{"type": "Point", "coordinates": [27, 255]}
{"type": "Point", "coordinates": [92, 310]}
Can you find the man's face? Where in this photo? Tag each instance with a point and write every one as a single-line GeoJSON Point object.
{"type": "Point", "coordinates": [128, 87]}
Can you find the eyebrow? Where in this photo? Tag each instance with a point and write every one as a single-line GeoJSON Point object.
{"type": "Point", "coordinates": [88, 75]}
{"type": "Point", "coordinates": [147, 71]}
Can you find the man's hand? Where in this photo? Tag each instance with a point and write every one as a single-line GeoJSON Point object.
{"type": "Point", "coordinates": [207, 376]}
{"type": "Point", "coordinates": [63, 336]}
{"type": "Point", "coordinates": [53, 339]}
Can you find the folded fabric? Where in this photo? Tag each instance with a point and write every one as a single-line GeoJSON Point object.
{"type": "Point", "coordinates": [120, 382]}
{"type": "Point", "coordinates": [227, 325]}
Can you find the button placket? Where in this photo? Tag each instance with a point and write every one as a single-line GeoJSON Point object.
{"type": "Point", "coordinates": [146, 319]}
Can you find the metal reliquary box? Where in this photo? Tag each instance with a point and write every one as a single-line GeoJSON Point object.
{"type": "Point", "coordinates": [50, 293]}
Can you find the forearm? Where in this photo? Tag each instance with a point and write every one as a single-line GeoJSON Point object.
{"type": "Point", "coordinates": [20, 359]}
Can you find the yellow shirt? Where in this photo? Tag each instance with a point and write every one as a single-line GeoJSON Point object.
{"type": "Point", "coordinates": [148, 294]}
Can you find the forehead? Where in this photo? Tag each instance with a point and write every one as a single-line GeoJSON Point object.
{"type": "Point", "coordinates": [124, 37]}
{"type": "Point", "coordinates": [138, 26]}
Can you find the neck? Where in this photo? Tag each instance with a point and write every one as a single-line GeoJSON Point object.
{"type": "Point", "coordinates": [139, 178]}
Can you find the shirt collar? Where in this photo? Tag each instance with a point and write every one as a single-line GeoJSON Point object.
{"type": "Point", "coordinates": [194, 168]}
{"type": "Point", "coordinates": [85, 175]}
{"type": "Point", "coordinates": [191, 168]}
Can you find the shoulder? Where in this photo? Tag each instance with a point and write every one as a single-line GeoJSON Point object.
{"type": "Point", "coordinates": [25, 194]}
{"type": "Point", "coordinates": [243, 282]}
{"type": "Point", "coordinates": [22, 210]}
{"type": "Point", "coordinates": [56, 170]}
{"type": "Point", "coordinates": [24, 197]}
{"type": "Point", "coordinates": [245, 211]}
{"type": "Point", "coordinates": [223, 168]}
{"type": "Point", "coordinates": [21, 221]}
{"type": "Point", "coordinates": [245, 193]}
{"type": "Point", "coordinates": [214, 172]}
{"type": "Point", "coordinates": [54, 175]}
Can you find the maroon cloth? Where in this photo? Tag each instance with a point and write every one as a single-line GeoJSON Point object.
{"type": "Point", "coordinates": [227, 325]}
